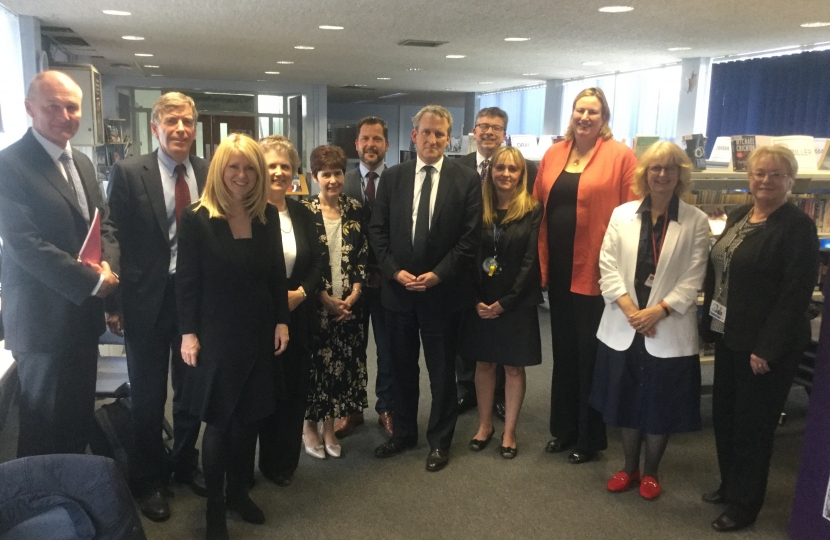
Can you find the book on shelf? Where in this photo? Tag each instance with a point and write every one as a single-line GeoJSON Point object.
{"type": "Point", "coordinates": [643, 142]}
{"type": "Point", "coordinates": [695, 146]}
{"type": "Point", "coordinates": [721, 156]}
{"type": "Point", "coordinates": [743, 145]}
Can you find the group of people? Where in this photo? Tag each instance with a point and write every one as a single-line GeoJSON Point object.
{"type": "Point", "coordinates": [259, 305]}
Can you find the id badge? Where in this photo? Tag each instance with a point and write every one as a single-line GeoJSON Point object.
{"type": "Point", "coordinates": [717, 311]}
{"type": "Point", "coordinates": [490, 265]}
{"type": "Point", "coordinates": [650, 281]}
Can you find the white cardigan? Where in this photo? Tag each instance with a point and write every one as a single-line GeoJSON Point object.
{"type": "Point", "coordinates": [679, 276]}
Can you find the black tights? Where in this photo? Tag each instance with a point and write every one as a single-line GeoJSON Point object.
{"type": "Point", "coordinates": [228, 452]}
{"type": "Point", "coordinates": [655, 446]}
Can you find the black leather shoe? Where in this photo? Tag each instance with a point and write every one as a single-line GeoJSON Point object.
{"type": "Point", "coordinates": [556, 446]}
{"type": "Point", "coordinates": [194, 479]}
{"type": "Point", "coordinates": [466, 403]}
{"type": "Point", "coordinates": [728, 523]}
{"type": "Point", "coordinates": [477, 445]}
{"type": "Point", "coordinates": [507, 452]}
{"type": "Point", "coordinates": [581, 457]}
{"type": "Point", "coordinates": [247, 509]}
{"type": "Point", "coordinates": [282, 479]}
{"type": "Point", "coordinates": [437, 459]}
{"type": "Point", "coordinates": [499, 409]}
{"type": "Point", "coordinates": [713, 497]}
{"type": "Point", "coordinates": [155, 506]}
{"type": "Point", "coordinates": [393, 447]}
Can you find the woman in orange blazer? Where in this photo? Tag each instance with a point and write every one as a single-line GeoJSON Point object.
{"type": "Point", "coordinates": [581, 180]}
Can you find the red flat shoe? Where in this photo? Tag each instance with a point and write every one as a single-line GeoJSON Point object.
{"type": "Point", "coordinates": [649, 488]}
{"type": "Point", "coordinates": [622, 481]}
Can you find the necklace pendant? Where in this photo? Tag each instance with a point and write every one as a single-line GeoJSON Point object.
{"type": "Point", "coordinates": [576, 162]}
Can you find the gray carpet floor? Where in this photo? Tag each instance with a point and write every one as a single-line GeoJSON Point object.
{"type": "Point", "coordinates": [482, 496]}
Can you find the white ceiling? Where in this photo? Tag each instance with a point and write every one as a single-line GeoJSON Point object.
{"type": "Point", "coordinates": [241, 39]}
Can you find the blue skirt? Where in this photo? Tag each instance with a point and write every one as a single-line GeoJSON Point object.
{"type": "Point", "coordinates": [633, 389]}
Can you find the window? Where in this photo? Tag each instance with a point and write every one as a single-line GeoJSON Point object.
{"type": "Point", "coordinates": [12, 113]}
{"type": "Point", "coordinates": [525, 109]}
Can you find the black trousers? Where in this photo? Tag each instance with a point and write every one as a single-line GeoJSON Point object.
{"type": "Point", "coordinates": [438, 331]}
{"type": "Point", "coordinates": [153, 350]}
{"type": "Point", "coordinates": [57, 398]}
{"type": "Point", "coordinates": [281, 434]}
{"type": "Point", "coordinates": [228, 453]}
{"type": "Point", "coordinates": [385, 379]}
{"type": "Point", "coordinates": [745, 412]}
{"type": "Point", "coordinates": [574, 320]}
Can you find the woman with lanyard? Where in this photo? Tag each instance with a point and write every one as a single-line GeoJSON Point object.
{"type": "Point", "coordinates": [758, 285]}
{"type": "Point", "coordinates": [647, 373]}
{"type": "Point", "coordinates": [504, 326]}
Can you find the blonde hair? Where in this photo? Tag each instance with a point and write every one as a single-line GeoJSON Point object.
{"type": "Point", "coordinates": [169, 101]}
{"type": "Point", "coordinates": [435, 110]}
{"type": "Point", "coordinates": [657, 152]}
{"type": "Point", "coordinates": [216, 197]}
{"type": "Point", "coordinates": [780, 153]}
{"type": "Point", "coordinates": [521, 202]}
{"type": "Point", "coordinates": [281, 145]}
{"type": "Point", "coordinates": [605, 110]}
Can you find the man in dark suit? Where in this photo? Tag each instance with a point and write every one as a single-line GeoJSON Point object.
{"type": "Point", "coordinates": [372, 143]}
{"type": "Point", "coordinates": [489, 133]}
{"type": "Point", "coordinates": [53, 307]}
{"type": "Point", "coordinates": [425, 233]}
{"type": "Point", "coordinates": [147, 194]}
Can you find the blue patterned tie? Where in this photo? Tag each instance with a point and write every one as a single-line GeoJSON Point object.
{"type": "Point", "coordinates": [75, 182]}
{"type": "Point", "coordinates": [484, 165]}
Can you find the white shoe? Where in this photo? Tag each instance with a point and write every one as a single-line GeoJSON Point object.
{"type": "Point", "coordinates": [315, 451]}
{"type": "Point", "coordinates": [333, 450]}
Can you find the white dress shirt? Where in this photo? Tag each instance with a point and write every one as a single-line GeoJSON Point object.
{"type": "Point", "coordinates": [167, 169]}
{"type": "Point", "coordinates": [420, 174]}
{"type": "Point", "coordinates": [289, 242]}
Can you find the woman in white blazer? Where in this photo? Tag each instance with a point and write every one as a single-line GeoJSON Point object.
{"type": "Point", "coordinates": [652, 264]}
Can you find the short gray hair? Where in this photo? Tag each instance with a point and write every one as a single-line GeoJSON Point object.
{"type": "Point", "coordinates": [435, 110]}
{"type": "Point", "coordinates": [172, 100]}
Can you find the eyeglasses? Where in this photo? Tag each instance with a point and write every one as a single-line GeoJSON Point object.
{"type": "Point", "coordinates": [669, 170]}
{"type": "Point", "coordinates": [774, 175]}
{"type": "Point", "coordinates": [487, 127]}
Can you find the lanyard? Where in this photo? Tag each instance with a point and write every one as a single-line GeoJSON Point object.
{"type": "Point", "coordinates": [730, 248]}
{"type": "Point", "coordinates": [497, 232]}
{"type": "Point", "coordinates": [655, 249]}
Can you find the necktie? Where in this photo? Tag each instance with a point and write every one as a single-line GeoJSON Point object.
{"type": "Point", "coordinates": [419, 244]}
{"type": "Point", "coordinates": [369, 192]}
{"type": "Point", "coordinates": [75, 182]}
{"type": "Point", "coordinates": [182, 192]}
{"type": "Point", "coordinates": [484, 165]}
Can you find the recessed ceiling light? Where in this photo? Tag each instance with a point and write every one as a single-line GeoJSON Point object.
{"type": "Point", "coordinates": [616, 9]}
{"type": "Point", "coordinates": [592, 63]}
{"type": "Point", "coordinates": [304, 47]}
{"type": "Point", "coordinates": [117, 13]}
{"type": "Point", "coordinates": [143, 54]}
{"type": "Point", "coordinates": [529, 74]}
{"type": "Point", "coordinates": [815, 24]}
{"type": "Point", "coordinates": [133, 38]}
{"type": "Point", "coordinates": [272, 72]}
{"type": "Point", "coordinates": [260, 80]}
{"type": "Point", "coordinates": [156, 75]}
{"type": "Point", "coordinates": [152, 67]}
{"type": "Point", "coordinates": [361, 85]}
{"type": "Point", "coordinates": [384, 78]}
{"type": "Point", "coordinates": [517, 39]}
{"type": "Point", "coordinates": [679, 48]}
{"type": "Point", "coordinates": [329, 27]}
{"type": "Point", "coordinates": [450, 89]}
{"type": "Point", "coordinates": [285, 62]}
{"type": "Point", "coordinates": [413, 69]}
{"type": "Point", "coordinates": [456, 56]}
{"type": "Point", "coordinates": [486, 82]}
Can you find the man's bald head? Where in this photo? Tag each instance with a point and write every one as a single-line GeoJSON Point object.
{"type": "Point", "coordinates": [54, 103]}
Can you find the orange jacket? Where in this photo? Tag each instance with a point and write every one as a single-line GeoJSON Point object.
{"type": "Point", "coordinates": [604, 185]}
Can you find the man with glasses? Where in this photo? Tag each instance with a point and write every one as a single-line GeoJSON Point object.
{"type": "Point", "coordinates": [489, 133]}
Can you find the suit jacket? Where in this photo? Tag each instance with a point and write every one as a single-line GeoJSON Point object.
{"type": "Point", "coordinates": [517, 283]}
{"type": "Point", "coordinates": [604, 185]}
{"type": "Point", "coordinates": [470, 161]}
{"type": "Point", "coordinates": [353, 188]}
{"type": "Point", "coordinates": [46, 291]}
{"type": "Point", "coordinates": [232, 301]}
{"type": "Point", "coordinates": [771, 279]}
{"type": "Point", "coordinates": [453, 235]}
{"type": "Point", "coordinates": [136, 200]}
{"type": "Point", "coordinates": [677, 279]}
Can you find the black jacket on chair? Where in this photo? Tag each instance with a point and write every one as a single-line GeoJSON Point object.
{"type": "Point", "coordinates": [771, 280]}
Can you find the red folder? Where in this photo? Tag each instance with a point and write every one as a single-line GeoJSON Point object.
{"type": "Point", "coordinates": [91, 250]}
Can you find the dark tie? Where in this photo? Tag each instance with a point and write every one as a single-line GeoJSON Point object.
{"type": "Point", "coordinates": [182, 191]}
{"type": "Point", "coordinates": [484, 165]}
{"type": "Point", "coordinates": [369, 192]}
{"type": "Point", "coordinates": [75, 182]}
{"type": "Point", "coordinates": [419, 244]}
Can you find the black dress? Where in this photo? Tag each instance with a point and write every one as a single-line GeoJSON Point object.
{"type": "Point", "coordinates": [511, 339]}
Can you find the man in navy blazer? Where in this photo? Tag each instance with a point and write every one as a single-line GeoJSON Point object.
{"type": "Point", "coordinates": [146, 195]}
{"type": "Point", "coordinates": [53, 307]}
{"type": "Point", "coordinates": [425, 233]}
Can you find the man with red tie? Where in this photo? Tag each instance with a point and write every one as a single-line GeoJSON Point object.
{"type": "Point", "coordinates": [361, 183]}
{"type": "Point", "coordinates": [146, 196]}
